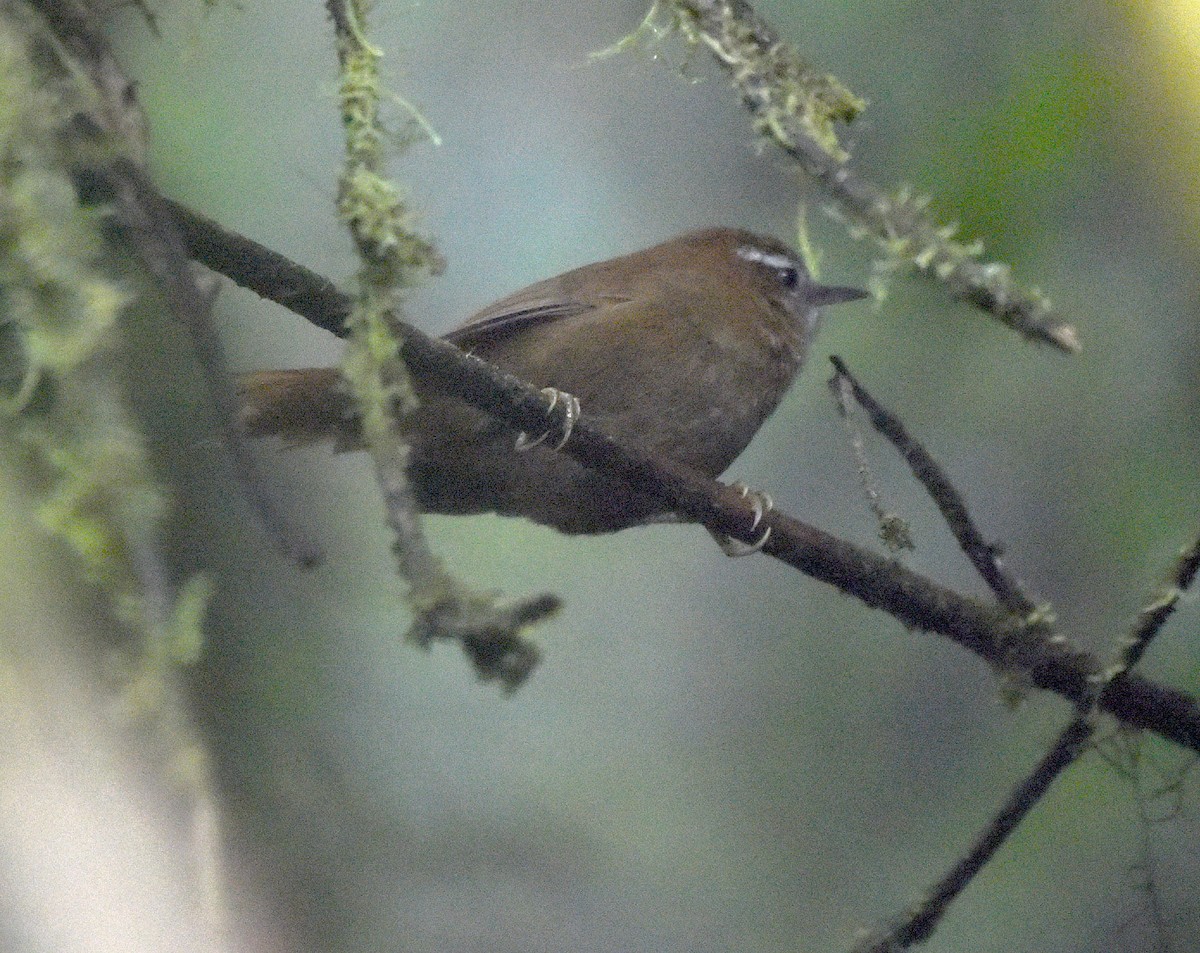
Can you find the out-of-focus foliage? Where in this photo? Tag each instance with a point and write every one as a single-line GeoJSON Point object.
{"type": "Point", "coordinates": [714, 755]}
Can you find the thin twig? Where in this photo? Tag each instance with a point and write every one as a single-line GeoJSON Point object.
{"type": "Point", "coordinates": [893, 529]}
{"type": "Point", "coordinates": [1155, 613]}
{"type": "Point", "coordinates": [919, 923]}
{"type": "Point", "coordinates": [984, 556]}
{"type": "Point", "coordinates": [990, 632]}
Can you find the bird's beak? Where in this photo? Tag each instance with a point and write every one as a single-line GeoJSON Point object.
{"type": "Point", "coordinates": [822, 295]}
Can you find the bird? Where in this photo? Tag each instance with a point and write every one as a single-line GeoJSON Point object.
{"type": "Point", "coordinates": [683, 349]}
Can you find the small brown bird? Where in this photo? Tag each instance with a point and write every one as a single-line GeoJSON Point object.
{"type": "Point", "coordinates": [684, 348]}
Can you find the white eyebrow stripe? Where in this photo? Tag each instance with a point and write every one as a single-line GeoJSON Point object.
{"type": "Point", "coordinates": [770, 259]}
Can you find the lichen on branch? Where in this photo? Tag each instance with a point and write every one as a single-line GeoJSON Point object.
{"type": "Point", "coordinates": [395, 257]}
{"type": "Point", "coordinates": [67, 281]}
{"type": "Point", "coordinates": [796, 107]}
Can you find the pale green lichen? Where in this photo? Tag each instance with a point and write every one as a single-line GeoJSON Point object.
{"type": "Point", "coordinates": [784, 86]}
{"type": "Point", "coordinates": [394, 257]}
{"type": "Point", "coordinates": [797, 107]}
{"type": "Point", "coordinates": [383, 228]}
{"type": "Point", "coordinates": [906, 236]}
{"type": "Point", "coordinates": [810, 254]}
{"type": "Point", "coordinates": [655, 27]}
{"type": "Point", "coordinates": [63, 412]}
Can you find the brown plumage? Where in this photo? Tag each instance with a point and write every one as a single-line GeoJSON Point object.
{"type": "Point", "coordinates": [684, 348]}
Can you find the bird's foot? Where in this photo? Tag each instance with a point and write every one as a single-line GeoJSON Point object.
{"type": "Point", "coordinates": [570, 412]}
{"type": "Point", "coordinates": [760, 503]}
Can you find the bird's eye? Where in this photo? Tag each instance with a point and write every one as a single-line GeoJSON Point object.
{"type": "Point", "coordinates": [783, 268]}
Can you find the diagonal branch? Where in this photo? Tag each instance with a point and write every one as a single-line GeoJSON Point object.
{"type": "Point", "coordinates": [1028, 645]}
{"type": "Point", "coordinates": [764, 71]}
{"type": "Point", "coordinates": [917, 925]}
{"type": "Point", "coordinates": [984, 556]}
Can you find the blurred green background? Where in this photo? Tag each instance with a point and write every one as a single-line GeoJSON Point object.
{"type": "Point", "coordinates": [715, 755]}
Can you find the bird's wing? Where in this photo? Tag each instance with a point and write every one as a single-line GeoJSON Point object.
{"type": "Point", "coordinates": [495, 323]}
{"type": "Point", "coordinates": [537, 304]}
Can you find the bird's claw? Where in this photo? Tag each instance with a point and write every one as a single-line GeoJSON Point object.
{"type": "Point", "coordinates": [760, 503]}
{"type": "Point", "coordinates": [570, 412]}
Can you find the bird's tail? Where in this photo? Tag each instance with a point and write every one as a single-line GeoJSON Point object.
{"type": "Point", "coordinates": [300, 406]}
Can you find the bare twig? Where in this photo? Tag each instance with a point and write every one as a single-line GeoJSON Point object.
{"type": "Point", "coordinates": [984, 556]}
{"type": "Point", "coordinates": [919, 923]}
{"type": "Point", "coordinates": [1155, 613]}
{"type": "Point", "coordinates": [989, 631]}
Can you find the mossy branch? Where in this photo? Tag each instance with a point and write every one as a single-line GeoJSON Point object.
{"type": "Point", "coordinates": [67, 286]}
{"type": "Point", "coordinates": [797, 107]}
{"type": "Point", "coordinates": [79, 249]}
{"type": "Point", "coordinates": [1010, 641]}
{"type": "Point", "coordinates": [394, 257]}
